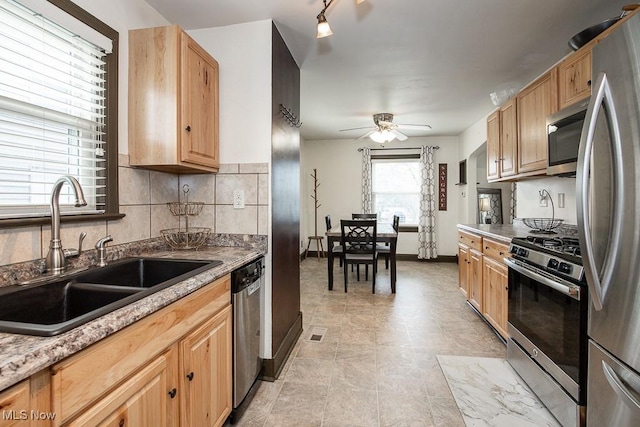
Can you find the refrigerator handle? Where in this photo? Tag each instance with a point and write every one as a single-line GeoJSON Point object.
{"type": "Point", "coordinates": [628, 395]}
{"type": "Point", "coordinates": [601, 95]}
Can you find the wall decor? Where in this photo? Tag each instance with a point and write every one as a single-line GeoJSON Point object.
{"type": "Point", "coordinates": [442, 186]}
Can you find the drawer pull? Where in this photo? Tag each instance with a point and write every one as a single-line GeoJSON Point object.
{"type": "Point", "coordinates": [188, 129]}
{"type": "Point", "coordinates": [486, 247]}
{"type": "Point", "coordinates": [501, 253]}
{"type": "Point", "coordinates": [172, 393]}
{"type": "Point", "coordinates": [190, 376]}
{"type": "Point", "coordinates": [121, 423]}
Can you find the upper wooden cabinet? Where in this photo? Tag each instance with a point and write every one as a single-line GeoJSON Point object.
{"type": "Point", "coordinates": [574, 78]}
{"type": "Point", "coordinates": [534, 104]}
{"type": "Point", "coordinates": [502, 142]}
{"type": "Point", "coordinates": [173, 102]}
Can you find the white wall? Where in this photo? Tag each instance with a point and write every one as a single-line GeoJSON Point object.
{"type": "Point", "coordinates": [243, 53]}
{"type": "Point", "coordinates": [528, 201]}
{"type": "Point", "coordinates": [339, 172]}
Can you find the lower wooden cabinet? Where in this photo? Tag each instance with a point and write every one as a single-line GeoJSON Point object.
{"type": "Point", "coordinates": [171, 368]}
{"type": "Point", "coordinates": [14, 405]}
{"type": "Point", "coordinates": [205, 365]}
{"type": "Point", "coordinates": [475, 279]}
{"type": "Point", "coordinates": [495, 288]}
{"type": "Point", "coordinates": [483, 277]}
{"type": "Point", "coordinates": [143, 400]}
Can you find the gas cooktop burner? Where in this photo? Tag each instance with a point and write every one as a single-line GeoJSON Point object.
{"type": "Point", "coordinates": [567, 245]}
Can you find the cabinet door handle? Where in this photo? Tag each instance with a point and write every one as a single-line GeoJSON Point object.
{"type": "Point", "coordinates": [188, 128]}
{"type": "Point", "coordinates": [172, 393]}
{"type": "Point", "coordinates": [190, 376]}
{"type": "Point", "coordinates": [501, 253]}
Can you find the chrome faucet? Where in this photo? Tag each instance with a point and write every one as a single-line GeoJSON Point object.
{"type": "Point", "coordinates": [56, 260]}
{"type": "Point", "coordinates": [101, 247]}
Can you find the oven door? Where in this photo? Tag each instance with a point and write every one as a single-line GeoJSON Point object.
{"type": "Point", "coordinates": [548, 318]}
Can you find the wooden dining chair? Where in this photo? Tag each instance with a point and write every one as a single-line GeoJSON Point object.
{"type": "Point", "coordinates": [336, 249]}
{"type": "Point", "coordinates": [385, 250]}
{"type": "Point", "coordinates": [358, 240]}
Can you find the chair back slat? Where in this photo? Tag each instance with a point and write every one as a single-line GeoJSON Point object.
{"type": "Point", "coordinates": [358, 236]}
{"type": "Point", "coordinates": [327, 221]}
{"type": "Point", "coordinates": [396, 223]}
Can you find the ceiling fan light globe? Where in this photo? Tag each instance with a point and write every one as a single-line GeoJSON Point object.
{"type": "Point", "coordinates": [382, 136]}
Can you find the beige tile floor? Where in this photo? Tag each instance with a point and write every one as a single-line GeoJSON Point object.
{"type": "Point", "coordinates": [376, 364]}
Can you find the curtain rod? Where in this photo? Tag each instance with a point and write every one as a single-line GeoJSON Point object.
{"type": "Point", "coordinates": [397, 148]}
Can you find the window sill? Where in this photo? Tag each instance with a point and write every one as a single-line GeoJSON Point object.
{"type": "Point", "coordinates": [65, 219]}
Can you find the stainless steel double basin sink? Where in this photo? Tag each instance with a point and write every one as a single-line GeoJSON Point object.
{"type": "Point", "coordinates": [60, 304]}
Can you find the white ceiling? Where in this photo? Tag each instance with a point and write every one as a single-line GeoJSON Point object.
{"type": "Point", "coordinates": [425, 61]}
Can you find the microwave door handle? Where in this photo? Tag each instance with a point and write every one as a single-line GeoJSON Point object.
{"type": "Point", "coordinates": [601, 95]}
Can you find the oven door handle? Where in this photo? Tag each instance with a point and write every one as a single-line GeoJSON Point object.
{"type": "Point", "coordinates": [570, 291]}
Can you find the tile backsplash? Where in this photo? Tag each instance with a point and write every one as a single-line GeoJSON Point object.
{"type": "Point", "coordinates": [143, 197]}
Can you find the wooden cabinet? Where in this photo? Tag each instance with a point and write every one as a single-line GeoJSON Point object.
{"type": "Point", "coordinates": [173, 102]}
{"type": "Point", "coordinates": [14, 405]}
{"type": "Point", "coordinates": [493, 146]}
{"type": "Point", "coordinates": [132, 373]}
{"type": "Point", "coordinates": [469, 247]}
{"type": "Point", "coordinates": [483, 277]}
{"type": "Point", "coordinates": [502, 142]}
{"type": "Point", "coordinates": [147, 398]}
{"type": "Point", "coordinates": [495, 287]}
{"type": "Point", "coordinates": [205, 364]}
{"type": "Point", "coordinates": [534, 104]}
{"type": "Point", "coordinates": [475, 279]}
{"type": "Point", "coordinates": [574, 78]}
{"type": "Point", "coordinates": [464, 259]}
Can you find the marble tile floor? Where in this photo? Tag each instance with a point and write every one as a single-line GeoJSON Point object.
{"type": "Point", "coordinates": [373, 359]}
{"type": "Point", "coordinates": [490, 393]}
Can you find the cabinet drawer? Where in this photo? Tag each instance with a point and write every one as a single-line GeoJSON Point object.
{"type": "Point", "coordinates": [495, 250]}
{"type": "Point", "coordinates": [14, 404]}
{"type": "Point", "coordinates": [472, 240]}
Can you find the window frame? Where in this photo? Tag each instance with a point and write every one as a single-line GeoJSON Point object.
{"type": "Point", "coordinates": [112, 204]}
{"type": "Point", "coordinates": [406, 228]}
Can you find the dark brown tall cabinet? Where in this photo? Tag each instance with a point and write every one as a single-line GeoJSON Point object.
{"type": "Point", "coordinates": [285, 205]}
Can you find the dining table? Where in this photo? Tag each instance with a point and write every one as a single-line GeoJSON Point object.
{"type": "Point", "coordinates": [385, 234]}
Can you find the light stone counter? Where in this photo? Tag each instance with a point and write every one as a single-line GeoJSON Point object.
{"type": "Point", "coordinates": [24, 355]}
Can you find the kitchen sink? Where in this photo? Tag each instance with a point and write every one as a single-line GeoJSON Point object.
{"type": "Point", "coordinates": [146, 272]}
{"type": "Point", "coordinates": [56, 306]}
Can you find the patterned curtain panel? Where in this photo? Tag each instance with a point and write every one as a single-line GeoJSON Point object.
{"type": "Point", "coordinates": [427, 226]}
{"type": "Point", "coordinates": [366, 180]}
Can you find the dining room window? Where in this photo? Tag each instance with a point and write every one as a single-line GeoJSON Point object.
{"type": "Point", "coordinates": [396, 189]}
{"type": "Point", "coordinates": [58, 97]}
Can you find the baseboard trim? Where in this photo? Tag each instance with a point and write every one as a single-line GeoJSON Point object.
{"type": "Point", "coordinates": [273, 367]}
{"type": "Point", "coordinates": [399, 257]}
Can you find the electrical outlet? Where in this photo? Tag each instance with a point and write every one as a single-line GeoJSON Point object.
{"type": "Point", "coordinates": [561, 200]}
{"type": "Point", "coordinates": [238, 199]}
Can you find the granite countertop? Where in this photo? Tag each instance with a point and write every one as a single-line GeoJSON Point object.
{"type": "Point", "coordinates": [506, 232]}
{"type": "Point", "coordinates": [24, 355]}
{"type": "Point", "coordinates": [500, 232]}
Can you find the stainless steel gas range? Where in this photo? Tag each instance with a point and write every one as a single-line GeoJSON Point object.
{"type": "Point", "coordinates": [547, 328]}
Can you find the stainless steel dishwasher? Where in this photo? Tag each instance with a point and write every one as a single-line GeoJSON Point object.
{"type": "Point", "coordinates": [246, 293]}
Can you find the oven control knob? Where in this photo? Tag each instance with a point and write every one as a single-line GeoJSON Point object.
{"type": "Point", "coordinates": [564, 268]}
{"type": "Point", "coordinates": [553, 263]}
{"type": "Point", "coordinates": [523, 252]}
{"type": "Point", "coordinates": [513, 250]}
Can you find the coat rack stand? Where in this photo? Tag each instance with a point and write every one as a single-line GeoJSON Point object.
{"type": "Point", "coordinates": [315, 237]}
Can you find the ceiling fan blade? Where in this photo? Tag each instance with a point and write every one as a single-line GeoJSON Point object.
{"type": "Point", "coordinates": [366, 134]}
{"type": "Point", "coordinates": [414, 127]}
{"type": "Point", "coordinates": [360, 128]}
{"type": "Point", "coordinates": [401, 136]}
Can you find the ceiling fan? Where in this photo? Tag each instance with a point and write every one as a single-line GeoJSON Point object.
{"type": "Point", "coordinates": [384, 130]}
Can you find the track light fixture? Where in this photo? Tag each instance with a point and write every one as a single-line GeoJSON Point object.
{"type": "Point", "coordinates": [323, 26]}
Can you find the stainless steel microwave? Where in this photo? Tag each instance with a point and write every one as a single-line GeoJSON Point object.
{"type": "Point", "coordinates": [564, 129]}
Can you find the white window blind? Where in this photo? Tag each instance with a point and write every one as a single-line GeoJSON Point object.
{"type": "Point", "coordinates": [51, 114]}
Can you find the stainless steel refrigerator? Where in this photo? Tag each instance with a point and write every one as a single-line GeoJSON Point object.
{"type": "Point", "coordinates": [608, 203]}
